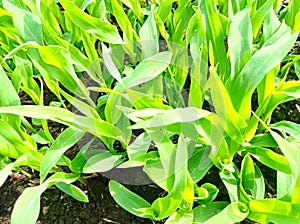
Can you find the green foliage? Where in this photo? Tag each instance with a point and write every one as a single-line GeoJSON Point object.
{"type": "Point", "coordinates": [138, 77]}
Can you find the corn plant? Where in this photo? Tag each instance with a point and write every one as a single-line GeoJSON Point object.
{"type": "Point", "coordinates": [145, 84]}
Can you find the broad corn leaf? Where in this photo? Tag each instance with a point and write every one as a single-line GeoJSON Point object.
{"type": "Point", "coordinates": [27, 206]}
{"type": "Point", "coordinates": [258, 17]}
{"type": "Point", "coordinates": [164, 207]}
{"type": "Point", "coordinates": [240, 41]}
{"type": "Point", "coordinates": [215, 34]}
{"type": "Point", "coordinates": [292, 15]}
{"type": "Point", "coordinates": [233, 213]}
{"type": "Point", "coordinates": [231, 121]}
{"type": "Point", "coordinates": [261, 62]}
{"type": "Point", "coordinates": [64, 141]}
{"type": "Point", "coordinates": [148, 69]}
{"type": "Point", "coordinates": [28, 25]}
{"type": "Point", "coordinates": [102, 30]}
{"type": "Point", "coordinates": [95, 126]}
{"type": "Point", "coordinates": [130, 201]}
{"type": "Point", "coordinates": [149, 37]}
{"type": "Point", "coordinates": [274, 210]}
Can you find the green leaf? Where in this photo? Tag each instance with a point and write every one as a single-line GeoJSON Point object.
{"type": "Point", "coordinates": [199, 163]}
{"type": "Point", "coordinates": [136, 8]}
{"type": "Point", "coordinates": [123, 20]}
{"type": "Point", "coordinates": [291, 152]}
{"type": "Point", "coordinates": [27, 24]}
{"type": "Point", "coordinates": [167, 117]}
{"type": "Point", "coordinates": [31, 159]}
{"type": "Point", "coordinates": [270, 55]}
{"type": "Point", "coordinates": [181, 217]}
{"type": "Point", "coordinates": [240, 41]}
{"type": "Point", "coordinates": [252, 179]}
{"type": "Point", "coordinates": [288, 91]}
{"type": "Point", "coordinates": [258, 18]}
{"type": "Point", "coordinates": [164, 207]}
{"type": "Point", "coordinates": [247, 173]}
{"type": "Point", "coordinates": [154, 168]}
{"type": "Point", "coordinates": [27, 206]}
{"type": "Point", "coordinates": [83, 107]}
{"type": "Point", "coordinates": [270, 158]}
{"type": "Point", "coordinates": [267, 85]}
{"type": "Point", "coordinates": [149, 37]}
{"type": "Point", "coordinates": [73, 191]}
{"type": "Point", "coordinates": [102, 30]}
{"type": "Point", "coordinates": [180, 19]}
{"type": "Point", "coordinates": [228, 117]}
{"type": "Point", "coordinates": [291, 15]}
{"type": "Point", "coordinates": [263, 140]}
{"type": "Point", "coordinates": [206, 193]}
{"type": "Point", "coordinates": [233, 213]}
{"type": "Point", "coordinates": [101, 162]}
{"type": "Point", "coordinates": [110, 65]}
{"type": "Point", "coordinates": [215, 35]}
{"type": "Point", "coordinates": [58, 61]}
{"type": "Point", "coordinates": [203, 213]}
{"type": "Point", "coordinates": [289, 127]}
{"type": "Point", "coordinates": [274, 211]}
{"type": "Point", "coordinates": [164, 9]}
{"type": "Point", "coordinates": [196, 36]}
{"type": "Point", "coordinates": [148, 69]}
{"type": "Point", "coordinates": [95, 126]}
{"type": "Point", "coordinates": [130, 201]}
{"type": "Point", "coordinates": [13, 145]}
{"type": "Point", "coordinates": [142, 100]}
{"type": "Point", "coordinates": [63, 142]}
{"type": "Point", "coordinates": [271, 24]}
{"type": "Point", "coordinates": [82, 156]}
{"type": "Point", "coordinates": [231, 180]}
{"type": "Point", "coordinates": [258, 190]}
{"type": "Point", "coordinates": [283, 183]}
{"type": "Point", "coordinates": [4, 173]}
{"type": "Point", "coordinates": [297, 68]}
{"type": "Point", "coordinates": [139, 147]}
{"type": "Point", "coordinates": [9, 97]}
